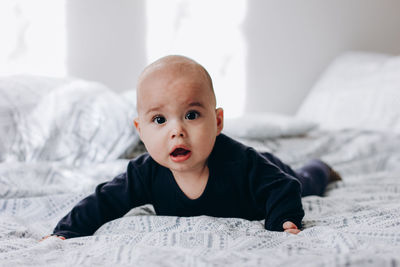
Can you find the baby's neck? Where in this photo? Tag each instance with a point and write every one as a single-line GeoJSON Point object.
{"type": "Point", "coordinates": [193, 183]}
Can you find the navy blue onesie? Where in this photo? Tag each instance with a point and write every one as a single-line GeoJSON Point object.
{"type": "Point", "coordinates": [242, 183]}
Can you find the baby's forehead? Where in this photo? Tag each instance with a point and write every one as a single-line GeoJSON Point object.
{"type": "Point", "coordinates": [174, 99]}
{"type": "Point", "coordinates": [175, 70]}
{"type": "Point", "coordinates": [181, 87]}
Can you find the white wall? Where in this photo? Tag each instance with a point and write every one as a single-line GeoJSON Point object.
{"type": "Point", "coordinates": [106, 41]}
{"type": "Point", "coordinates": [289, 43]}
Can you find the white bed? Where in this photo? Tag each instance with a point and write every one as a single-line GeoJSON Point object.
{"type": "Point", "coordinates": [60, 138]}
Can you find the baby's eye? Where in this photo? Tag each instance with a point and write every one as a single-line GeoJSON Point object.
{"type": "Point", "coordinates": [159, 119]}
{"type": "Point", "coordinates": [192, 115]}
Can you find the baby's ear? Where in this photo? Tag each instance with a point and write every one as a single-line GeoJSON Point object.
{"type": "Point", "coordinates": [219, 112]}
{"type": "Point", "coordinates": [136, 123]}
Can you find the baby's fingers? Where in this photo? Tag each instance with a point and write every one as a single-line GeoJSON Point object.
{"type": "Point", "coordinates": [47, 236]}
{"type": "Point", "coordinates": [289, 225]}
{"type": "Point", "coordinates": [293, 231]}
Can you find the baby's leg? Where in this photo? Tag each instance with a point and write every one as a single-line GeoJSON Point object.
{"type": "Point", "coordinates": [314, 176]}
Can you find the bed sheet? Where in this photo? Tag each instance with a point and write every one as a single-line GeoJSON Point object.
{"type": "Point", "coordinates": [357, 222]}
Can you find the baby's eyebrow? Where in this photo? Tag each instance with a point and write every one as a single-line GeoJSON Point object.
{"type": "Point", "coordinates": [196, 104]}
{"type": "Point", "coordinates": [151, 110]}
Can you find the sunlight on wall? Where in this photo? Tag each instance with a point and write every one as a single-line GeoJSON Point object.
{"type": "Point", "coordinates": [32, 37]}
{"type": "Point", "coordinates": [209, 32]}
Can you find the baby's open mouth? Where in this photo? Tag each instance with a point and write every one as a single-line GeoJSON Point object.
{"type": "Point", "coordinates": [179, 152]}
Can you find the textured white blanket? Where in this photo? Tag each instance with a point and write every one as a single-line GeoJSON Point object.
{"type": "Point", "coordinates": [357, 223]}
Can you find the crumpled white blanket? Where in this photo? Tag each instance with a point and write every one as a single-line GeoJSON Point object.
{"type": "Point", "coordinates": [357, 223]}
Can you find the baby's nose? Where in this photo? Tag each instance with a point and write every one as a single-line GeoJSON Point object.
{"type": "Point", "coordinates": [177, 134]}
{"type": "Point", "coordinates": [178, 130]}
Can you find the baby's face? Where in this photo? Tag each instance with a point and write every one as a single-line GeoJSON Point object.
{"type": "Point", "coordinates": [177, 119]}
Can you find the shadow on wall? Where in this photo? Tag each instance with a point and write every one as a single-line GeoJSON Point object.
{"type": "Point", "coordinates": [107, 34]}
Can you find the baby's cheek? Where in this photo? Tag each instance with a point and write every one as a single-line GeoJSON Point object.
{"type": "Point", "coordinates": [155, 154]}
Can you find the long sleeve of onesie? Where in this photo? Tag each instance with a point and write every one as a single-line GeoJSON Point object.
{"type": "Point", "coordinates": [275, 191]}
{"type": "Point", "coordinates": [110, 200]}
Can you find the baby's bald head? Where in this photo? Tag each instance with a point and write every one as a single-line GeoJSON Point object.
{"type": "Point", "coordinates": [172, 67]}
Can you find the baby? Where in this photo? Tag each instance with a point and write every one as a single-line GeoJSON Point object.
{"type": "Point", "coordinates": [191, 168]}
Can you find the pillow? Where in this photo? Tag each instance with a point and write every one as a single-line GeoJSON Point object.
{"type": "Point", "coordinates": [67, 120]}
{"type": "Point", "coordinates": [266, 125]}
{"type": "Point", "coordinates": [19, 94]}
{"type": "Point", "coordinates": [358, 90]}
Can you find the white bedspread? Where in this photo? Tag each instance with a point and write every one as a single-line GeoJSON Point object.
{"type": "Point", "coordinates": [357, 223]}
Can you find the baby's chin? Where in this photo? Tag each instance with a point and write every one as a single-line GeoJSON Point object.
{"type": "Point", "coordinates": [187, 167]}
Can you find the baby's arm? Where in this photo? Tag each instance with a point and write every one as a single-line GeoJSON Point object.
{"type": "Point", "coordinates": [290, 227]}
{"type": "Point", "coordinates": [276, 192]}
{"type": "Point", "coordinates": [111, 200]}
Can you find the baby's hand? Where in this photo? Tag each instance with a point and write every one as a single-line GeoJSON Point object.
{"type": "Point", "coordinates": [47, 236]}
{"type": "Point", "coordinates": [290, 227]}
